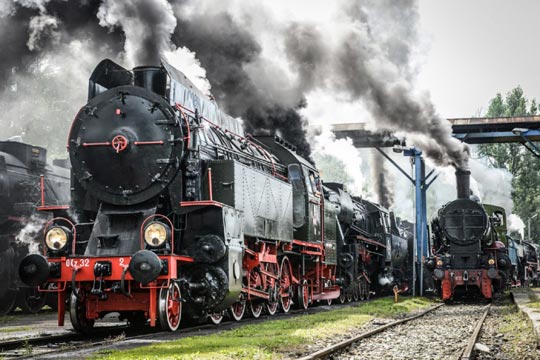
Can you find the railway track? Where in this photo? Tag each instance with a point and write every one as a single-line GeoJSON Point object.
{"type": "Point", "coordinates": [467, 353]}
{"type": "Point", "coordinates": [62, 345]}
{"type": "Point", "coordinates": [348, 348]}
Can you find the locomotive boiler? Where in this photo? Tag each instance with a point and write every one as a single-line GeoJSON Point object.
{"type": "Point", "coordinates": [469, 246]}
{"type": "Point", "coordinates": [23, 173]}
{"type": "Point", "coordinates": [176, 211]}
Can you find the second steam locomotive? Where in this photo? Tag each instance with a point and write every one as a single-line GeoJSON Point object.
{"type": "Point", "coordinates": [176, 211]}
{"type": "Point", "coordinates": [469, 246]}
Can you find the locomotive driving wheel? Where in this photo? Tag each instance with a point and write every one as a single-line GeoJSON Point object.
{"type": "Point", "coordinates": [272, 304]}
{"type": "Point", "coordinates": [238, 309]}
{"type": "Point", "coordinates": [303, 295]}
{"type": "Point", "coordinates": [255, 281]}
{"type": "Point", "coordinates": [170, 307]}
{"type": "Point", "coordinates": [366, 290]}
{"type": "Point", "coordinates": [328, 284]}
{"type": "Point", "coordinates": [31, 300]}
{"type": "Point", "coordinates": [356, 291]}
{"type": "Point", "coordinates": [362, 289]}
{"type": "Point", "coordinates": [7, 302]}
{"type": "Point", "coordinates": [77, 313]}
{"type": "Point", "coordinates": [285, 298]}
{"type": "Point", "coordinates": [342, 295]}
{"type": "Point", "coordinates": [216, 318]}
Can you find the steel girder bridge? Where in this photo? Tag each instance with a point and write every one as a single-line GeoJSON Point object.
{"type": "Point", "coordinates": [522, 129]}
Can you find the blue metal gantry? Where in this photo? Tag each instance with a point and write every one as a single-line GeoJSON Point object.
{"type": "Point", "coordinates": [421, 184]}
{"type": "Point", "coordinates": [524, 130]}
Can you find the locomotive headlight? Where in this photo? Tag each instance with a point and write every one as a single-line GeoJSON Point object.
{"type": "Point", "coordinates": [156, 233]}
{"type": "Point", "coordinates": [56, 238]}
{"type": "Point", "coordinates": [491, 262]}
{"type": "Point", "coordinates": [439, 262]}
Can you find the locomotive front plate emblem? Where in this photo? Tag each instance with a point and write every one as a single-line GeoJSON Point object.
{"type": "Point", "coordinates": [119, 143]}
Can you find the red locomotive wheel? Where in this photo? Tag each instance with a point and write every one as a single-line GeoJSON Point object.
{"type": "Point", "coordinates": [216, 318]}
{"type": "Point", "coordinates": [271, 283]}
{"type": "Point", "coordinates": [285, 298]}
{"type": "Point", "coordinates": [303, 295]}
{"type": "Point", "coordinates": [238, 309]}
{"type": "Point", "coordinates": [170, 308]}
{"type": "Point", "coordinates": [255, 281]}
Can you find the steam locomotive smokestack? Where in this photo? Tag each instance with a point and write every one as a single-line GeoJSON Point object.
{"type": "Point", "coordinates": [152, 78]}
{"type": "Point", "coordinates": [463, 179]}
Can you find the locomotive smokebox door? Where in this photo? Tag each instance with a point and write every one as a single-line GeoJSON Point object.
{"type": "Point", "coordinates": [126, 130]}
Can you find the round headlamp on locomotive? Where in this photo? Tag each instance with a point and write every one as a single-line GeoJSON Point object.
{"type": "Point", "coordinates": [57, 238]}
{"type": "Point", "coordinates": [156, 234]}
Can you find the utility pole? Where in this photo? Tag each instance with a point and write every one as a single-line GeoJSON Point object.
{"type": "Point", "coordinates": [529, 225]}
{"type": "Point", "coordinates": [421, 186]}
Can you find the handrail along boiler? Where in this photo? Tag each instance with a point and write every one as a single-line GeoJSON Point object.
{"type": "Point", "coordinates": [175, 210]}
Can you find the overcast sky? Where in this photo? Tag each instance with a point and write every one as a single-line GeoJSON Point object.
{"type": "Point", "coordinates": [472, 49]}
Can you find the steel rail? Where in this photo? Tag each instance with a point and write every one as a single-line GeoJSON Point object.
{"type": "Point", "coordinates": [13, 344]}
{"type": "Point", "coordinates": [340, 346]}
{"type": "Point", "coordinates": [102, 335]}
{"type": "Point", "coordinates": [467, 353]}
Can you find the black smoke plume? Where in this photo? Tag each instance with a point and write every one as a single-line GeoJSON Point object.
{"type": "Point", "coordinates": [261, 63]}
{"type": "Point", "coordinates": [224, 49]}
{"type": "Point", "coordinates": [381, 180]}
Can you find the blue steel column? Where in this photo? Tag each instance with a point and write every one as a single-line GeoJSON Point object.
{"type": "Point", "coordinates": [424, 239]}
{"type": "Point", "coordinates": [421, 186]}
{"type": "Point", "coordinates": [419, 218]}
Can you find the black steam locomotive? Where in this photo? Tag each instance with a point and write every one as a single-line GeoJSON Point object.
{"type": "Point", "coordinates": [176, 211]}
{"type": "Point", "coordinates": [469, 242]}
{"type": "Point", "coordinates": [23, 173]}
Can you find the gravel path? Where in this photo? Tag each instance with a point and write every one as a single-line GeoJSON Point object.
{"type": "Point", "coordinates": [422, 338]}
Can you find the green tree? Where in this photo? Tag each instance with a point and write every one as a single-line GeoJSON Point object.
{"type": "Point", "coordinates": [524, 166]}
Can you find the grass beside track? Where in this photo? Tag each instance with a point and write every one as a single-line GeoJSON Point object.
{"type": "Point", "coordinates": [272, 339]}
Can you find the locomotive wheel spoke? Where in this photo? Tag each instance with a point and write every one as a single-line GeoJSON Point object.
{"type": "Point", "coordinates": [285, 298]}
{"type": "Point", "coordinates": [170, 308]}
